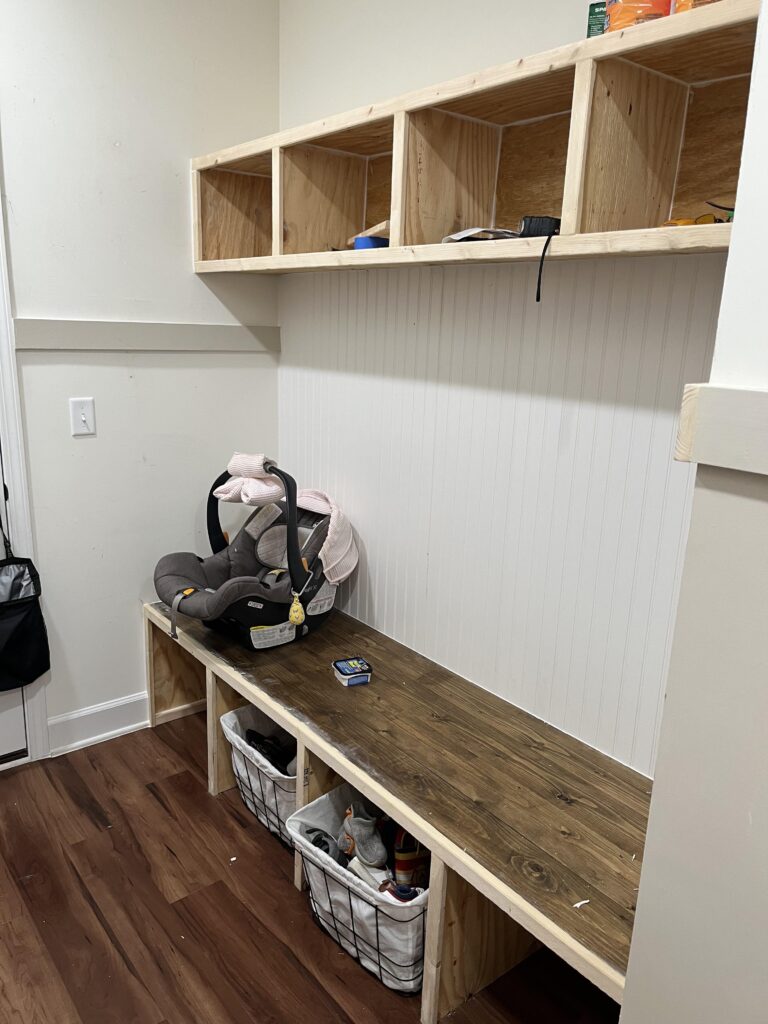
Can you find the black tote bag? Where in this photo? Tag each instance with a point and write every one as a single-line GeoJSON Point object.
{"type": "Point", "coordinates": [24, 654]}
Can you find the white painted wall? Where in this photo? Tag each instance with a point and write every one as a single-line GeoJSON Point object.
{"type": "Point", "coordinates": [566, 412]}
{"type": "Point", "coordinates": [107, 507]}
{"type": "Point", "coordinates": [102, 105]}
{"type": "Point", "coordinates": [698, 949]}
{"type": "Point", "coordinates": [741, 353]}
{"type": "Point", "coordinates": [337, 55]}
{"type": "Point", "coordinates": [101, 108]}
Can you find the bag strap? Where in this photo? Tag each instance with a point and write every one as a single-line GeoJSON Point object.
{"type": "Point", "coordinates": [6, 539]}
{"type": "Point", "coordinates": [6, 542]}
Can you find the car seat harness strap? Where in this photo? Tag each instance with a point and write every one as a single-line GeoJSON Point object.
{"type": "Point", "coordinates": [175, 609]}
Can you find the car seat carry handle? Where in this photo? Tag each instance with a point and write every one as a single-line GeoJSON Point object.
{"type": "Point", "coordinates": [216, 536]}
{"type": "Point", "coordinates": [299, 575]}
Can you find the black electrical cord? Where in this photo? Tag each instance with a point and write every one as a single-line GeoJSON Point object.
{"type": "Point", "coordinates": [541, 266]}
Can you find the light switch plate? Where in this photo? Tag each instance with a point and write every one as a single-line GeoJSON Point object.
{"type": "Point", "coordinates": [82, 417]}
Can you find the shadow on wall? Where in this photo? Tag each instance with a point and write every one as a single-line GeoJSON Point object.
{"type": "Point", "coordinates": [610, 331]}
{"type": "Point", "coordinates": [236, 293]}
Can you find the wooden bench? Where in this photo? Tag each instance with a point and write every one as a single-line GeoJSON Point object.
{"type": "Point", "coordinates": [524, 823]}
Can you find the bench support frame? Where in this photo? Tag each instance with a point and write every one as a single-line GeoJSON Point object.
{"type": "Point", "coordinates": [477, 928]}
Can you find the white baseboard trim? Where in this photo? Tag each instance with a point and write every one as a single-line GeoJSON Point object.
{"type": "Point", "coordinates": [97, 723]}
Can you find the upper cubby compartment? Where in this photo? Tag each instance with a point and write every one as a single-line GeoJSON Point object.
{"type": "Point", "coordinates": [336, 186]}
{"type": "Point", "coordinates": [487, 159]}
{"type": "Point", "coordinates": [659, 147]}
{"type": "Point", "coordinates": [235, 210]}
{"type": "Point", "coordinates": [666, 122]}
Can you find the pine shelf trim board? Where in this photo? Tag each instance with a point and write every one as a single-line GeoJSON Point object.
{"type": "Point", "coordinates": [699, 238]}
{"type": "Point", "coordinates": [725, 427]}
{"type": "Point", "coordinates": [615, 134]}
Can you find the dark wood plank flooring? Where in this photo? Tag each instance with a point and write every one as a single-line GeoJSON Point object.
{"type": "Point", "coordinates": [557, 821]}
{"type": "Point", "coordinates": [128, 895]}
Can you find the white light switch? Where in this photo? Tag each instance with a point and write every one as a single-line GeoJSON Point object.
{"type": "Point", "coordinates": [82, 417]}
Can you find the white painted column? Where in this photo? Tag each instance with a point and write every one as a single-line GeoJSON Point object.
{"type": "Point", "coordinates": [699, 949]}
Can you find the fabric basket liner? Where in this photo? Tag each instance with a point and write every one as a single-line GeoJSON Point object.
{"type": "Point", "coordinates": [386, 937]}
{"type": "Point", "coordinates": [266, 792]}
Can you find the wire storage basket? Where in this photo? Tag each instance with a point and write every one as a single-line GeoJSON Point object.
{"type": "Point", "coordinates": [266, 792]}
{"type": "Point", "coordinates": [387, 937]}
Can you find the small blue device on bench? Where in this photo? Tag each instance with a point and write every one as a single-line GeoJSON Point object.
{"type": "Point", "coordinates": [352, 671]}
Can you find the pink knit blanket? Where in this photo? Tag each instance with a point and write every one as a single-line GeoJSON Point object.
{"type": "Point", "coordinates": [252, 485]}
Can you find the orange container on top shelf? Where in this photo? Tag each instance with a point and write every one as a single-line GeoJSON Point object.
{"type": "Point", "coordinates": [623, 13]}
{"type": "Point", "coordinates": [688, 5]}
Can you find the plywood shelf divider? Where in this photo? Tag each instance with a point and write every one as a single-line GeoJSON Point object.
{"type": "Point", "coordinates": [614, 134]}
{"type": "Point", "coordinates": [578, 140]}
{"type": "Point", "coordinates": [278, 217]}
{"type": "Point", "coordinates": [400, 129]}
{"type": "Point", "coordinates": [634, 141]}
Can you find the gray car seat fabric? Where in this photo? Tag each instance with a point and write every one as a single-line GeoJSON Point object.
{"type": "Point", "coordinates": [253, 565]}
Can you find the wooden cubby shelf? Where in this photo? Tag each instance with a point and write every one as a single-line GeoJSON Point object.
{"type": "Point", "coordinates": [614, 134]}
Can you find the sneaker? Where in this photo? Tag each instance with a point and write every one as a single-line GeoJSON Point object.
{"type": "Point", "coordinates": [359, 837]}
{"type": "Point", "coordinates": [324, 841]}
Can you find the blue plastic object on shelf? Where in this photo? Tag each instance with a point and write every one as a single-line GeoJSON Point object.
{"type": "Point", "coordinates": [371, 242]}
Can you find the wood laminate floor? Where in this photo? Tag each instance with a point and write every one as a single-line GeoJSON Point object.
{"type": "Point", "coordinates": [128, 895]}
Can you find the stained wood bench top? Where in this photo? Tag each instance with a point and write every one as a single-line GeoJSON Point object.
{"type": "Point", "coordinates": [533, 814]}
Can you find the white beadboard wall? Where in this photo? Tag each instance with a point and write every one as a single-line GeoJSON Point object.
{"type": "Point", "coordinates": [508, 468]}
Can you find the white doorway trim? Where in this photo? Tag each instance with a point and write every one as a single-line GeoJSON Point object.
{"type": "Point", "coordinates": [20, 519]}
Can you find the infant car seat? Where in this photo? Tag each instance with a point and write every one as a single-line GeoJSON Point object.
{"type": "Point", "coordinates": [268, 587]}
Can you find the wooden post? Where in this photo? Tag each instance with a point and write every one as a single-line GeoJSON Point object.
{"type": "Point", "coordinates": [469, 943]}
{"type": "Point", "coordinates": [399, 179]}
{"type": "Point", "coordinates": [197, 220]}
{"type": "Point", "coordinates": [149, 628]}
{"type": "Point", "coordinates": [578, 138]}
{"type": "Point", "coordinates": [313, 779]}
{"type": "Point", "coordinates": [277, 201]}
{"type": "Point", "coordinates": [220, 698]}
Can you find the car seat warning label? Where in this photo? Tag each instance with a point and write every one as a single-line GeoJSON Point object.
{"type": "Point", "coordinates": [323, 600]}
{"type": "Point", "coordinates": [272, 636]}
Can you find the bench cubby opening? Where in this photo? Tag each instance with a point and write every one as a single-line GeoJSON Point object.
{"type": "Point", "coordinates": [470, 943]}
{"type": "Point", "coordinates": [336, 186]}
{"type": "Point", "coordinates": [235, 210]}
{"type": "Point", "coordinates": [178, 678]}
